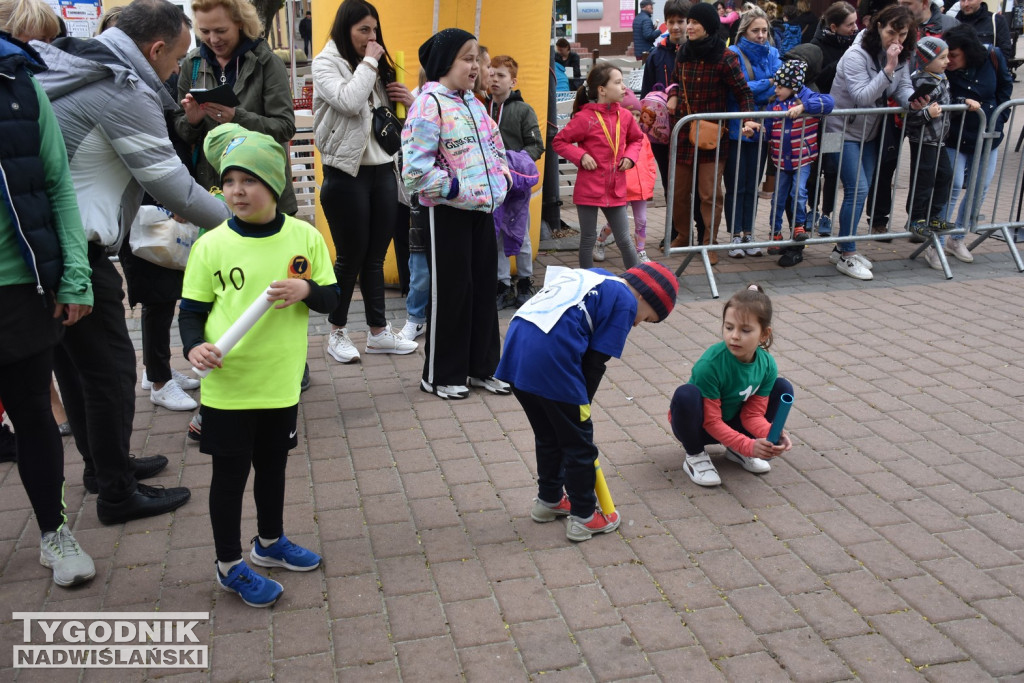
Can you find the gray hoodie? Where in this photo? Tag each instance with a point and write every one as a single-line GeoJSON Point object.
{"type": "Point", "coordinates": [112, 109]}
{"type": "Point", "coordinates": [861, 83]}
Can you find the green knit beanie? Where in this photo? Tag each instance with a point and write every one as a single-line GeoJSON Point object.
{"type": "Point", "coordinates": [229, 145]}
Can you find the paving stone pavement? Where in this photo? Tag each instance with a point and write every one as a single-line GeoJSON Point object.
{"type": "Point", "coordinates": [887, 545]}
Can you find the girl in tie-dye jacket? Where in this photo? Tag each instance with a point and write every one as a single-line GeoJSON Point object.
{"type": "Point", "coordinates": [455, 169]}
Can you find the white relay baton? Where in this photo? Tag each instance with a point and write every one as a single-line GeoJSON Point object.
{"type": "Point", "coordinates": [240, 328]}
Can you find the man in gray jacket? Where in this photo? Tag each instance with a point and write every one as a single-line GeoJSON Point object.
{"type": "Point", "coordinates": [109, 99]}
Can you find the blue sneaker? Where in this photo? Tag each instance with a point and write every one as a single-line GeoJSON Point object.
{"type": "Point", "coordinates": [285, 554]}
{"type": "Point", "coordinates": [255, 590]}
{"type": "Point", "coordinates": [824, 226]}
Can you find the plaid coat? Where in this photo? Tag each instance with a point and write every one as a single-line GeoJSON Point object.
{"type": "Point", "coordinates": [707, 86]}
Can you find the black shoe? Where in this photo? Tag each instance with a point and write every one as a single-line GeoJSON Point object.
{"type": "Point", "coordinates": [144, 469]}
{"type": "Point", "coordinates": [506, 296]}
{"type": "Point", "coordinates": [304, 384]}
{"type": "Point", "coordinates": [524, 290]}
{"type": "Point", "coordinates": [8, 446]}
{"type": "Point", "coordinates": [791, 257]}
{"type": "Point", "coordinates": [147, 501]}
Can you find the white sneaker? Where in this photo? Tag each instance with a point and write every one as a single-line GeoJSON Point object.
{"type": "Point", "coordinates": [853, 267]}
{"type": "Point", "coordinates": [755, 465]}
{"type": "Point", "coordinates": [184, 381]}
{"type": "Point", "coordinates": [341, 347]}
{"type": "Point", "coordinates": [389, 342]}
{"type": "Point", "coordinates": [752, 251]}
{"type": "Point", "coordinates": [701, 470]}
{"type": "Point", "coordinates": [931, 257]}
{"type": "Point", "coordinates": [412, 330]}
{"type": "Point", "coordinates": [836, 255]}
{"type": "Point", "coordinates": [958, 249]}
{"type": "Point", "coordinates": [642, 255]}
{"type": "Point", "coordinates": [59, 551]}
{"type": "Point", "coordinates": [172, 397]}
{"type": "Point", "coordinates": [737, 250]}
{"type": "Point", "coordinates": [491, 384]}
{"type": "Point", "coordinates": [452, 391]}
{"type": "Point", "coordinates": [599, 252]}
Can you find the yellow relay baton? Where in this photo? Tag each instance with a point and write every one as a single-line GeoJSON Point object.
{"type": "Point", "coordinates": [604, 497]}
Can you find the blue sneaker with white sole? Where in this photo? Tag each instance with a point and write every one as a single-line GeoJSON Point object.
{"type": "Point", "coordinates": [255, 590]}
{"type": "Point", "coordinates": [285, 554]}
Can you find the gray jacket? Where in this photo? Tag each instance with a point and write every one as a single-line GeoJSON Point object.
{"type": "Point", "coordinates": [111, 107]}
{"type": "Point", "coordinates": [861, 83]}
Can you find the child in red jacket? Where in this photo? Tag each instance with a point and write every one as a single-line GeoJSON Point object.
{"type": "Point", "coordinates": [639, 189]}
{"type": "Point", "coordinates": [604, 141]}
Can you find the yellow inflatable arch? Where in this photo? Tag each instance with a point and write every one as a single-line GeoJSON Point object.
{"type": "Point", "coordinates": [520, 29]}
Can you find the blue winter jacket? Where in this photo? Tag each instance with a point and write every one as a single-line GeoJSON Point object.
{"type": "Point", "coordinates": [765, 61]}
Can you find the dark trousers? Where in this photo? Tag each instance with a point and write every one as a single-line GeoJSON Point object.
{"type": "Point", "coordinates": [565, 451]}
{"type": "Point", "coordinates": [360, 213]}
{"type": "Point", "coordinates": [462, 322]}
{"type": "Point", "coordinates": [402, 218]}
{"type": "Point", "coordinates": [822, 182]}
{"type": "Point", "coordinates": [240, 440]}
{"type": "Point", "coordinates": [156, 340]}
{"type": "Point", "coordinates": [661, 158]}
{"type": "Point", "coordinates": [686, 412]}
{"type": "Point", "coordinates": [25, 392]}
{"type": "Point", "coordinates": [743, 170]}
{"type": "Point", "coordinates": [932, 174]}
{"type": "Point", "coordinates": [95, 367]}
{"type": "Point", "coordinates": [879, 204]}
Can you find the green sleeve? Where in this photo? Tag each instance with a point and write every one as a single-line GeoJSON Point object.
{"type": "Point", "coordinates": [76, 281]}
{"type": "Point", "coordinates": [278, 119]}
{"type": "Point", "coordinates": [189, 133]}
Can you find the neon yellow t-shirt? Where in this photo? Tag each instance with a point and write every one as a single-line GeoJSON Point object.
{"type": "Point", "coordinates": [230, 270]}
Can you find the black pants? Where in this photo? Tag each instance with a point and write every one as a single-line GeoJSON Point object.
{"type": "Point", "coordinates": [360, 212]}
{"type": "Point", "coordinates": [462, 322]}
{"type": "Point", "coordinates": [240, 440]}
{"type": "Point", "coordinates": [25, 393]}
{"type": "Point", "coordinates": [879, 203]}
{"type": "Point", "coordinates": [661, 158]}
{"type": "Point", "coordinates": [932, 176]}
{"type": "Point", "coordinates": [565, 451]}
{"type": "Point", "coordinates": [156, 340]}
{"type": "Point", "coordinates": [402, 218]}
{"type": "Point", "coordinates": [822, 182]}
{"type": "Point", "coordinates": [95, 367]}
{"type": "Point", "coordinates": [686, 412]}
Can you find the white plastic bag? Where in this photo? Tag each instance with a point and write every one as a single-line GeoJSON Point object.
{"type": "Point", "coordinates": [158, 238]}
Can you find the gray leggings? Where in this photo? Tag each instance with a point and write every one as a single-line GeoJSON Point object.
{"type": "Point", "coordinates": [616, 217]}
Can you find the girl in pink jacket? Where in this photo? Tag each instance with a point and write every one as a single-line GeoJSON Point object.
{"type": "Point", "coordinates": [639, 189]}
{"type": "Point", "coordinates": [603, 140]}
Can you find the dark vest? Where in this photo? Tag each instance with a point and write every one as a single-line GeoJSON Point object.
{"type": "Point", "coordinates": [24, 180]}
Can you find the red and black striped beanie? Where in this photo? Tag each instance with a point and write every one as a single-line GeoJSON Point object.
{"type": "Point", "coordinates": [656, 284]}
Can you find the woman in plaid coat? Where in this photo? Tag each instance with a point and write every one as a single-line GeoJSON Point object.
{"type": "Point", "coordinates": [706, 73]}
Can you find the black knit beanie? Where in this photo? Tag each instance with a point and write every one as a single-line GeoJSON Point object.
{"type": "Point", "coordinates": [439, 52]}
{"type": "Point", "coordinates": [707, 16]}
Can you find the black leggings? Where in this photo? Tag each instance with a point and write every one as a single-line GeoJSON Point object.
{"type": "Point", "coordinates": [25, 392]}
{"type": "Point", "coordinates": [156, 340]}
{"type": "Point", "coordinates": [360, 212]}
{"type": "Point", "coordinates": [686, 412]}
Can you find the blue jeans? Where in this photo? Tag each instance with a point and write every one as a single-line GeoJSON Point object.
{"type": "Point", "coordinates": [419, 287]}
{"type": "Point", "coordinates": [855, 171]}
{"type": "Point", "coordinates": [961, 170]}
{"type": "Point", "coordinates": [741, 190]}
{"type": "Point", "coordinates": [787, 185]}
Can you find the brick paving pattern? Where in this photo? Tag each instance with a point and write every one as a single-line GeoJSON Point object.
{"type": "Point", "coordinates": [888, 545]}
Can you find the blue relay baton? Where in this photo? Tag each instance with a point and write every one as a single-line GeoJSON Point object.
{"type": "Point", "coordinates": [785, 403]}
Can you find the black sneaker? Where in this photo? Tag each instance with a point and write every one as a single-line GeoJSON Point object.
{"type": "Point", "coordinates": [147, 501]}
{"type": "Point", "coordinates": [144, 469]}
{"type": "Point", "coordinates": [304, 384]}
{"type": "Point", "coordinates": [506, 296]}
{"type": "Point", "coordinates": [8, 445]}
{"type": "Point", "coordinates": [792, 256]}
{"type": "Point", "coordinates": [919, 227]}
{"type": "Point", "coordinates": [524, 290]}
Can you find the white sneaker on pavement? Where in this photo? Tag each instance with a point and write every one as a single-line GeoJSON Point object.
{"type": "Point", "coordinates": [491, 384]}
{"type": "Point", "coordinates": [412, 330]}
{"type": "Point", "coordinates": [737, 250]}
{"type": "Point", "coordinates": [755, 465]}
{"type": "Point", "coordinates": [642, 255]}
{"type": "Point", "coordinates": [446, 391]}
{"type": "Point", "coordinates": [701, 470]}
{"type": "Point", "coordinates": [599, 252]}
{"type": "Point", "coordinates": [341, 347]}
{"type": "Point", "coordinates": [958, 249]}
{"type": "Point", "coordinates": [389, 342]}
{"type": "Point", "coordinates": [931, 257]}
{"type": "Point", "coordinates": [834, 257]}
{"type": "Point", "coordinates": [184, 381]}
{"type": "Point", "coordinates": [849, 265]}
{"type": "Point", "coordinates": [172, 397]}
{"type": "Point", "coordinates": [59, 551]}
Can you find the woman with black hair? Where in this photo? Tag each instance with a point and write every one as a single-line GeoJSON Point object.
{"type": "Point", "coordinates": [351, 76]}
{"type": "Point", "coordinates": [873, 70]}
{"type": "Point", "coordinates": [978, 77]}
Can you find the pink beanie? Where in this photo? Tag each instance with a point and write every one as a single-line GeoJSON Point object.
{"type": "Point", "coordinates": [630, 101]}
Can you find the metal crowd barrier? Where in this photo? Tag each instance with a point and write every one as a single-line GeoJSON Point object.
{"type": "Point", "coordinates": [833, 143]}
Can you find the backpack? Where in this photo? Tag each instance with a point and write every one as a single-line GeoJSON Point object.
{"type": "Point", "coordinates": [654, 119]}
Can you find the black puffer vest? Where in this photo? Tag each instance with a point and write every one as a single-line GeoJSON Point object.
{"type": "Point", "coordinates": [23, 178]}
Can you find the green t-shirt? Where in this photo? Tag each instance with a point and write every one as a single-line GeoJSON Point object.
{"type": "Point", "coordinates": [720, 375]}
{"type": "Point", "coordinates": [230, 270]}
